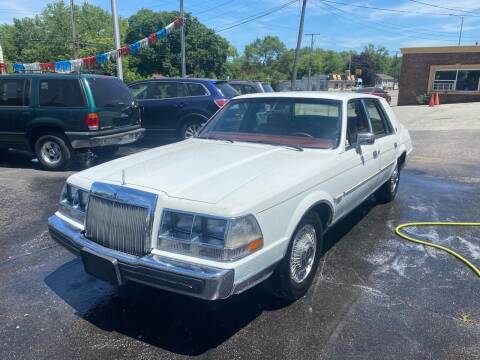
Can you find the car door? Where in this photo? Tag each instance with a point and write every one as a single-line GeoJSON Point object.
{"type": "Point", "coordinates": [164, 101]}
{"type": "Point", "coordinates": [359, 166]}
{"type": "Point", "coordinates": [385, 137]}
{"type": "Point", "coordinates": [15, 110]}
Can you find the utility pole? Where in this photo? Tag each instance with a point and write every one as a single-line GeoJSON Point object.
{"type": "Point", "coordinates": [310, 60]}
{"type": "Point", "coordinates": [395, 75]}
{"type": "Point", "coordinates": [74, 30]}
{"type": "Point", "coordinates": [116, 38]}
{"type": "Point", "coordinates": [299, 45]}
{"type": "Point", "coordinates": [182, 39]}
{"type": "Point", "coordinates": [2, 65]}
{"type": "Point", "coordinates": [461, 30]}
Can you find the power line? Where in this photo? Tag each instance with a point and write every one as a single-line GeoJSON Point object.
{"type": "Point", "coordinates": [354, 19]}
{"type": "Point", "coordinates": [391, 10]}
{"type": "Point", "coordinates": [444, 7]}
{"type": "Point", "coordinates": [252, 18]}
{"type": "Point", "coordinates": [431, 36]}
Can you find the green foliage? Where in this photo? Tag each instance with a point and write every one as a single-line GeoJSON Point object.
{"type": "Point", "coordinates": [207, 52]}
{"type": "Point", "coordinates": [47, 37]}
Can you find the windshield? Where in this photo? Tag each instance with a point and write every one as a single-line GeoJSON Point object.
{"type": "Point", "coordinates": [313, 123]}
{"type": "Point", "coordinates": [110, 92]}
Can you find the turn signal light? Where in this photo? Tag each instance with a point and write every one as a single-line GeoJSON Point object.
{"type": "Point", "coordinates": [93, 121]}
{"type": "Point", "coordinates": [220, 102]}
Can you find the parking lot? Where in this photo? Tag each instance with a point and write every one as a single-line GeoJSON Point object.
{"type": "Point", "coordinates": [375, 296]}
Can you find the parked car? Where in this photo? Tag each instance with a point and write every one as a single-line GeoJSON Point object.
{"type": "Point", "coordinates": [377, 91]}
{"type": "Point", "coordinates": [250, 86]}
{"type": "Point", "coordinates": [179, 106]}
{"type": "Point", "coordinates": [248, 199]}
{"type": "Point", "coordinates": [57, 115]}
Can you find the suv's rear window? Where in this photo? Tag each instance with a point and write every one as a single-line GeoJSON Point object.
{"type": "Point", "coordinates": [61, 93]}
{"type": "Point", "coordinates": [14, 92]}
{"type": "Point", "coordinates": [110, 92]}
{"type": "Point", "coordinates": [226, 89]}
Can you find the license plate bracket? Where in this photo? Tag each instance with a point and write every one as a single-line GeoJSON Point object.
{"type": "Point", "coordinates": [101, 266]}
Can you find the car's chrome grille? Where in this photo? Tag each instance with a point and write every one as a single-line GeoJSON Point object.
{"type": "Point", "coordinates": [120, 218]}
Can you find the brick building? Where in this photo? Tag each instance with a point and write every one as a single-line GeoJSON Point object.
{"type": "Point", "coordinates": [452, 71]}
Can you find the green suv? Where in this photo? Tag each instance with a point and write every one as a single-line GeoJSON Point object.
{"type": "Point", "coordinates": [57, 115]}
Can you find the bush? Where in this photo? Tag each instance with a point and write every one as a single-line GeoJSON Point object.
{"type": "Point", "coordinates": [422, 99]}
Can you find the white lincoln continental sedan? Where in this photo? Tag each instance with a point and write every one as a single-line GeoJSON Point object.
{"type": "Point", "coordinates": [246, 200]}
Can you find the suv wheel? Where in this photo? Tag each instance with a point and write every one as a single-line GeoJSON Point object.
{"type": "Point", "coordinates": [190, 129]}
{"type": "Point", "coordinates": [53, 151]}
{"type": "Point", "coordinates": [294, 274]}
{"type": "Point", "coordinates": [388, 191]}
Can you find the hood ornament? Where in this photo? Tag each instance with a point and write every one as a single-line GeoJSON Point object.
{"type": "Point", "coordinates": [123, 177]}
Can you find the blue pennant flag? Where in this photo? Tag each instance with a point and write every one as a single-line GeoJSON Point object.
{"type": "Point", "coordinates": [18, 67]}
{"type": "Point", "coordinates": [63, 66]}
{"type": "Point", "coordinates": [101, 58]}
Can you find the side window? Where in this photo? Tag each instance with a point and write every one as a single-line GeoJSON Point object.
{"type": "Point", "coordinates": [139, 91]}
{"type": "Point", "coordinates": [356, 121]}
{"type": "Point", "coordinates": [196, 89]}
{"type": "Point", "coordinates": [167, 90]}
{"type": "Point", "coordinates": [248, 89]}
{"type": "Point", "coordinates": [60, 93]}
{"type": "Point", "coordinates": [377, 118]}
{"type": "Point", "coordinates": [14, 92]}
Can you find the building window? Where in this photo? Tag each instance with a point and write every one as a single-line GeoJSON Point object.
{"type": "Point", "coordinates": [456, 80]}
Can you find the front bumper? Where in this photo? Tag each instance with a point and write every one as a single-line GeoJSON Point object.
{"type": "Point", "coordinates": [185, 278]}
{"type": "Point", "coordinates": [82, 140]}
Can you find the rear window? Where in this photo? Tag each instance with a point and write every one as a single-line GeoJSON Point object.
{"type": "Point", "coordinates": [226, 89]}
{"type": "Point", "coordinates": [267, 87]}
{"type": "Point", "coordinates": [60, 93]}
{"type": "Point", "coordinates": [110, 92]}
{"type": "Point", "coordinates": [14, 92]}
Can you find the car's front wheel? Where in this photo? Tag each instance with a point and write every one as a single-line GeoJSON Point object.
{"type": "Point", "coordinates": [53, 151]}
{"type": "Point", "coordinates": [388, 191]}
{"type": "Point", "coordinates": [294, 274]}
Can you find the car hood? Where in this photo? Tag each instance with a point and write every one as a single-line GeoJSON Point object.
{"type": "Point", "coordinates": [199, 170]}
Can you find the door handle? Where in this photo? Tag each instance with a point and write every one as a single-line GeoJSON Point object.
{"type": "Point", "coordinates": [376, 153]}
{"type": "Point", "coordinates": [395, 145]}
{"type": "Point", "coordinates": [182, 104]}
{"type": "Point", "coordinates": [26, 115]}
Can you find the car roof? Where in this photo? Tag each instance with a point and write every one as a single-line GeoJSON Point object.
{"type": "Point", "coordinates": [55, 75]}
{"type": "Point", "coordinates": [329, 95]}
{"type": "Point", "coordinates": [200, 80]}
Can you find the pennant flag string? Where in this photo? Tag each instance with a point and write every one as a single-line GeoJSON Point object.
{"type": "Point", "coordinates": [75, 65]}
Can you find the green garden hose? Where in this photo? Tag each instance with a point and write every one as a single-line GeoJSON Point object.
{"type": "Point", "coordinates": [436, 246]}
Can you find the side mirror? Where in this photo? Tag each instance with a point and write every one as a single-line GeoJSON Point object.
{"type": "Point", "coordinates": [364, 139]}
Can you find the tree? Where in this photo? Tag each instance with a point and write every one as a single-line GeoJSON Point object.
{"type": "Point", "coordinates": [206, 51]}
{"type": "Point", "coordinates": [365, 62]}
{"type": "Point", "coordinates": [47, 37]}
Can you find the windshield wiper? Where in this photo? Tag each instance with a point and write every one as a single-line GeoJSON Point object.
{"type": "Point", "coordinates": [218, 139]}
{"type": "Point", "coordinates": [287, 146]}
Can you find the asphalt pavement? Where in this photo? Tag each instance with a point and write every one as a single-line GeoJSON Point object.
{"type": "Point", "coordinates": [375, 296]}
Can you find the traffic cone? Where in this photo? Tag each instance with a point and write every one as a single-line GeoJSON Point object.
{"type": "Point", "coordinates": [437, 99]}
{"type": "Point", "coordinates": [431, 103]}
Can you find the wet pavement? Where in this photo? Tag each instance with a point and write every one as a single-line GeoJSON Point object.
{"type": "Point", "coordinates": [375, 296]}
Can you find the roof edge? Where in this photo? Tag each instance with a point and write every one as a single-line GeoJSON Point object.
{"type": "Point", "coordinates": [441, 49]}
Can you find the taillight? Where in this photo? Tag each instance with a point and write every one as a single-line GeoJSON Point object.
{"type": "Point", "coordinates": [220, 102]}
{"type": "Point", "coordinates": [93, 121]}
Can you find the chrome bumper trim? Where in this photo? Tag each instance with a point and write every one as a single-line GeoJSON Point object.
{"type": "Point", "coordinates": [204, 282]}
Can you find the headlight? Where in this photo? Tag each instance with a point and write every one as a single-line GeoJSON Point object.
{"type": "Point", "coordinates": [209, 237]}
{"type": "Point", "coordinates": [73, 202]}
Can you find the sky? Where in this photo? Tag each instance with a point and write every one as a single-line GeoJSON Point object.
{"type": "Point", "coordinates": [342, 24]}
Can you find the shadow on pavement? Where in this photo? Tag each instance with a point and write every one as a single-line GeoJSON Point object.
{"type": "Point", "coordinates": [176, 323]}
